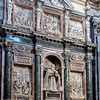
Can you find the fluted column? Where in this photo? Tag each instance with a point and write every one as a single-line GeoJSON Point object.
{"type": "Point", "coordinates": [66, 76]}
{"type": "Point", "coordinates": [8, 70]}
{"type": "Point", "coordinates": [89, 77]}
{"type": "Point", "coordinates": [38, 73]}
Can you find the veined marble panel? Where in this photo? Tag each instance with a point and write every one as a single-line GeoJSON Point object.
{"type": "Point", "coordinates": [23, 17]}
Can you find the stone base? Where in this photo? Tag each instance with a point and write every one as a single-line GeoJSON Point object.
{"type": "Point", "coordinates": [49, 95]}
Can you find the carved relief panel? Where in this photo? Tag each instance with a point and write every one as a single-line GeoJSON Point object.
{"type": "Point", "coordinates": [77, 77]}
{"type": "Point", "coordinates": [23, 16]}
{"type": "Point", "coordinates": [52, 23]}
{"type": "Point", "coordinates": [76, 84]}
{"type": "Point", "coordinates": [76, 29]}
{"type": "Point", "coordinates": [22, 74]}
{"type": "Point", "coordinates": [22, 80]}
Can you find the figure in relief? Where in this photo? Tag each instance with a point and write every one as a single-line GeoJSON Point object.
{"type": "Point", "coordinates": [66, 22]}
{"type": "Point", "coordinates": [22, 81]}
{"type": "Point", "coordinates": [52, 79]}
{"type": "Point", "coordinates": [9, 13]}
{"type": "Point", "coordinates": [38, 22]}
{"type": "Point", "coordinates": [88, 28]}
{"type": "Point", "coordinates": [51, 24]}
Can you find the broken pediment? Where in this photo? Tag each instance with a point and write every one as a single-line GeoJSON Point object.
{"type": "Point", "coordinates": [60, 4]}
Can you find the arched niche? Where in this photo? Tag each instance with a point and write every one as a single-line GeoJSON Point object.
{"type": "Point", "coordinates": [53, 77]}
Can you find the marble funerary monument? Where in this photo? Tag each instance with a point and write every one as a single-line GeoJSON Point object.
{"type": "Point", "coordinates": [47, 49]}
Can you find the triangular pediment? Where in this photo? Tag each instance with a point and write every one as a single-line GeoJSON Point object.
{"type": "Point", "coordinates": [60, 4]}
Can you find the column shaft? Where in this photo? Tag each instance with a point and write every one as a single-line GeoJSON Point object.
{"type": "Point", "coordinates": [89, 80]}
{"type": "Point", "coordinates": [66, 80]}
{"type": "Point", "coordinates": [38, 77]}
{"type": "Point", "coordinates": [8, 73]}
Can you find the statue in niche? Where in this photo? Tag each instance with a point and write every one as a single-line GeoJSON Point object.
{"type": "Point", "coordinates": [52, 79]}
{"type": "Point", "coordinates": [9, 13]}
{"type": "Point", "coordinates": [88, 28]}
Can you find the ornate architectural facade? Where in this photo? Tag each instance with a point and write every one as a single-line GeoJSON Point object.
{"type": "Point", "coordinates": [47, 49]}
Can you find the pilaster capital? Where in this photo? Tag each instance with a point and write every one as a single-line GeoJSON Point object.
{"type": "Point", "coordinates": [89, 57]}
{"type": "Point", "coordinates": [9, 45]}
{"type": "Point", "coordinates": [67, 55]}
{"type": "Point", "coordinates": [96, 24]}
{"type": "Point", "coordinates": [38, 50]}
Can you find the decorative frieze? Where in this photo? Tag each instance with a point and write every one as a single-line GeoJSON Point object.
{"type": "Point", "coordinates": [23, 17]}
